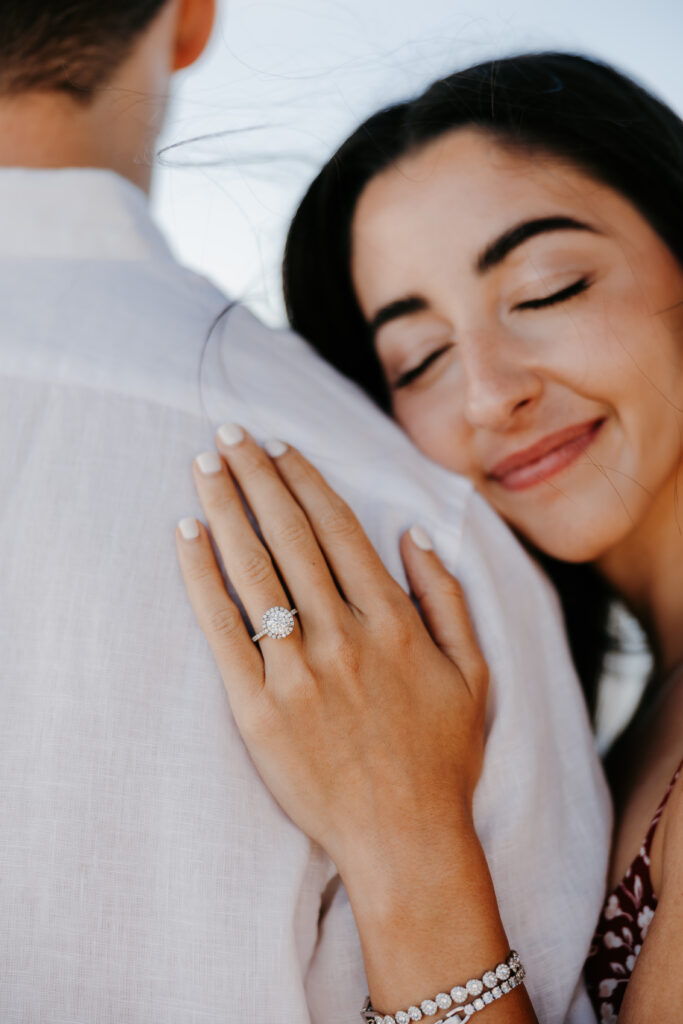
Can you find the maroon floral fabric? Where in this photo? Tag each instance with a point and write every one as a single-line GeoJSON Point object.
{"type": "Point", "coordinates": [622, 928]}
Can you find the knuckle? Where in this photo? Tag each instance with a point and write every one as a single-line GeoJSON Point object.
{"type": "Point", "coordinates": [450, 587]}
{"type": "Point", "coordinates": [255, 568]}
{"type": "Point", "coordinates": [298, 468]}
{"type": "Point", "coordinates": [390, 621]}
{"type": "Point", "coordinates": [222, 502]}
{"type": "Point", "coordinates": [199, 573]}
{"type": "Point", "coordinates": [302, 693]}
{"type": "Point", "coordinates": [294, 531]}
{"type": "Point", "coordinates": [338, 519]}
{"type": "Point", "coordinates": [396, 602]}
{"type": "Point", "coordinates": [255, 464]}
{"type": "Point", "coordinates": [340, 649]}
{"type": "Point", "coordinates": [396, 614]}
{"type": "Point", "coordinates": [224, 622]}
{"type": "Point", "coordinates": [260, 719]}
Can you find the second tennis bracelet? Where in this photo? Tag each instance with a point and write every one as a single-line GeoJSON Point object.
{"type": "Point", "coordinates": [491, 986]}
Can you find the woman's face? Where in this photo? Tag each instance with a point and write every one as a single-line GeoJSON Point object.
{"type": "Point", "coordinates": [544, 362]}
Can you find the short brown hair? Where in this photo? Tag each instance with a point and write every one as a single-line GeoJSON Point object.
{"type": "Point", "coordinates": [72, 46]}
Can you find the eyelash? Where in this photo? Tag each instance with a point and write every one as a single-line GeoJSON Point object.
{"type": "Point", "coordinates": [569, 292]}
{"type": "Point", "coordinates": [566, 293]}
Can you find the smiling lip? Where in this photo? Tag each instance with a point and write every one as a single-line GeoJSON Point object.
{"type": "Point", "coordinates": [545, 458]}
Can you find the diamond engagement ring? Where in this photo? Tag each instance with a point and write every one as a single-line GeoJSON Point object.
{"type": "Point", "coordinates": [277, 623]}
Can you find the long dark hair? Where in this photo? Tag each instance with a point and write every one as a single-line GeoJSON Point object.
{"type": "Point", "coordinates": [562, 104]}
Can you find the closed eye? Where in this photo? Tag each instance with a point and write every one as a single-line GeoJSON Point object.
{"type": "Point", "coordinates": [410, 375]}
{"type": "Point", "coordinates": [574, 289]}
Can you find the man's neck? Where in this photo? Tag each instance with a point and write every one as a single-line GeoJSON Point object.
{"type": "Point", "coordinates": [116, 130]}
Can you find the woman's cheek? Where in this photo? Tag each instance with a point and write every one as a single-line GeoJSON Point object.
{"type": "Point", "coordinates": [435, 426]}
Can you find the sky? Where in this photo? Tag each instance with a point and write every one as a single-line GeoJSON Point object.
{"type": "Point", "coordinates": [284, 82]}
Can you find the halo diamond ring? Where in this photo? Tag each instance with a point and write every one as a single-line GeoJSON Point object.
{"type": "Point", "coordinates": [277, 623]}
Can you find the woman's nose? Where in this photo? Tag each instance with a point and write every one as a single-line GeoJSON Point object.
{"type": "Point", "coordinates": [498, 384]}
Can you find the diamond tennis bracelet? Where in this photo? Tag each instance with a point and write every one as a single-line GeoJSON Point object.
{"type": "Point", "coordinates": [485, 990]}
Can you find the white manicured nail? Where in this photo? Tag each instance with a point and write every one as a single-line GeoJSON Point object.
{"type": "Point", "coordinates": [231, 433]}
{"type": "Point", "coordinates": [209, 463]}
{"type": "Point", "coordinates": [275, 448]}
{"type": "Point", "coordinates": [421, 538]}
{"type": "Point", "coordinates": [189, 528]}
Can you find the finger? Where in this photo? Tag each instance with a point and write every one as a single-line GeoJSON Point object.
{"type": "Point", "coordinates": [238, 660]}
{"type": "Point", "coordinates": [352, 558]}
{"type": "Point", "coordinates": [247, 562]}
{"type": "Point", "coordinates": [444, 608]}
{"type": "Point", "coordinates": [284, 525]}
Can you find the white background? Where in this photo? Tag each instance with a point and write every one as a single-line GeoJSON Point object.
{"type": "Point", "coordinates": [285, 81]}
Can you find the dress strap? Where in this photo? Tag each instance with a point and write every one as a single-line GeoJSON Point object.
{"type": "Point", "coordinates": [658, 813]}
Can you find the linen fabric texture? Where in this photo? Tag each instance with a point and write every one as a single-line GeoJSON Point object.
{"type": "Point", "coordinates": [146, 873]}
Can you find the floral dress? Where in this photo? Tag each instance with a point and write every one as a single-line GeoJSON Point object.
{"type": "Point", "coordinates": [622, 928]}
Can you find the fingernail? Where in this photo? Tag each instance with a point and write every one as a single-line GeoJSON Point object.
{"type": "Point", "coordinates": [421, 538]}
{"type": "Point", "coordinates": [231, 433]}
{"type": "Point", "coordinates": [189, 528]}
{"type": "Point", "coordinates": [275, 448]}
{"type": "Point", "coordinates": [209, 463]}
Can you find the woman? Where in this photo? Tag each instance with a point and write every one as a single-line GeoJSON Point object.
{"type": "Point", "coordinates": [506, 253]}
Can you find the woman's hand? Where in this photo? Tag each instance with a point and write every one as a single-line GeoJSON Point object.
{"type": "Point", "coordinates": [366, 724]}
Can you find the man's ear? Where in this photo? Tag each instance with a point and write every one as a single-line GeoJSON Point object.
{"type": "Point", "coordinates": [193, 31]}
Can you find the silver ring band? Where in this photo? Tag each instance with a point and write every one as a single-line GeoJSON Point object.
{"type": "Point", "coordinates": [277, 623]}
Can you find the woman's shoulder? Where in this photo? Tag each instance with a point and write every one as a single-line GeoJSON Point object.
{"type": "Point", "coordinates": [642, 914]}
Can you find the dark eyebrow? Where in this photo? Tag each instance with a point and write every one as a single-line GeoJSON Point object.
{"type": "Point", "coordinates": [492, 255]}
{"type": "Point", "coordinates": [496, 251]}
{"type": "Point", "coordinates": [393, 310]}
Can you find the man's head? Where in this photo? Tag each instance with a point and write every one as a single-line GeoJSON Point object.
{"type": "Point", "coordinates": [69, 71]}
{"type": "Point", "coordinates": [74, 47]}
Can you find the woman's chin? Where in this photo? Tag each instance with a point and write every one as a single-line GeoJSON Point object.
{"type": "Point", "coordinates": [576, 527]}
{"type": "Point", "coordinates": [569, 543]}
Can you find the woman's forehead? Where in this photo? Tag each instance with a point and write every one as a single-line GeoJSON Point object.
{"type": "Point", "coordinates": [477, 175]}
{"type": "Point", "coordinates": [458, 192]}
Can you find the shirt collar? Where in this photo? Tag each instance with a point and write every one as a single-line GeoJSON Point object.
{"type": "Point", "coordinates": [75, 213]}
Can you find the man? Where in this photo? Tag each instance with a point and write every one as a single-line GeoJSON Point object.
{"type": "Point", "coordinates": [146, 874]}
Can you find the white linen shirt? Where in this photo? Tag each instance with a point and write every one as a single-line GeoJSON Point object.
{"type": "Point", "coordinates": [146, 873]}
